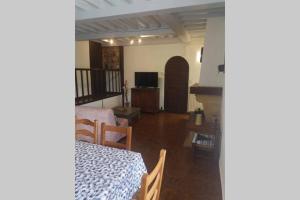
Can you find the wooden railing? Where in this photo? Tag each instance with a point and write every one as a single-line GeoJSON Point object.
{"type": "Point", "coordinates": [96, 84]}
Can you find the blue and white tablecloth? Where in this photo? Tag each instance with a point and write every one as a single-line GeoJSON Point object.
{"type": "Point", "coordinates": [104, 173]}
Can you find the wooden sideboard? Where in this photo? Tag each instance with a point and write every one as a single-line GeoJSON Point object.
{"type": "Point", "coordinates": [145, 98]}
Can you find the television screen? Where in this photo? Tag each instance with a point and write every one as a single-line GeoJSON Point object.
{"type": "Point", "coordinates": [146, 79]}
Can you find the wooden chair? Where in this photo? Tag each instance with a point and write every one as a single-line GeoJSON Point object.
{"type": "Point", "coordinates": [151, 183]}
{"type": "Point", "coordinates": [84, 132]}
{"type": "Point", "coordinates": [125, 130]}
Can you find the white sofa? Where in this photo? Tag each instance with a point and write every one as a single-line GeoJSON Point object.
{"type": "Point", "coordinates": [102, 115]}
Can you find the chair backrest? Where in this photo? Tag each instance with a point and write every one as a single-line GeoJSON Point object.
{"type": "Point", "coordinates": [151, 183]}
{"type": "Point", "coordinates": [84, 132]}
{"type": "Point", "coordinates": [116, 129]}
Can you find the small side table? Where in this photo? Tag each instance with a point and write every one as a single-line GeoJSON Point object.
{"type": "Point", "coordinates": [210, 130]}
{"type": "Point", "coordinates": [129, 113]}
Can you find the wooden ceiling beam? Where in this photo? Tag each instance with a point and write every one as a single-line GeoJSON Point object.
{"type": "Point", "coordinates": [154, 20]}
{"type": "Point", "coordinates": [203, 11]}
{"type": "Point", "coordinates": [92, 3]}
{"type": "Point", "coordinates": [174, 23]}
{"type": "Point", "coordinates": [109, 2]}
{"type": "Point", "coordinates": [128, 1]}
{"type": "Point", "coordinates": [123, 34]}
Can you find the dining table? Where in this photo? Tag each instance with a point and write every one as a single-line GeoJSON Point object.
{"type": "Point", "coordinates": [106, 173]}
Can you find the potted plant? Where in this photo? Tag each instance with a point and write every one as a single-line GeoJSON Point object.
{"type": "Point", "coordinates": [198, 116]}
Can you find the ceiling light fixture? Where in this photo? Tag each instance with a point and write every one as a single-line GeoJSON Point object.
{"type": "Point", "coordinates": [145, 36]}
{"type": "Point", "coordinates": [105, 40]}
{"type": "Point", "coordinates": [131, 42]}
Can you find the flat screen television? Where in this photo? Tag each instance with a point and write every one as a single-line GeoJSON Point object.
{"type": "Point", "coordinates": [146, 79]}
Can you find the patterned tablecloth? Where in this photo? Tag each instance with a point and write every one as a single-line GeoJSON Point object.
{"type": "Point", "coordinates": [104, 173]}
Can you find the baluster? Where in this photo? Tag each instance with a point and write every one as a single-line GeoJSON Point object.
{"type": "Point", "coordinates": [82, 89]}
{"type": "Point", "coordinates": [119, 82]}
{"type": "Point", "coordinates": [87, 82]}
{"type": "Point", "coordinates": [93, 77]}
{"type": "Point", "coordinates": [76, 83]}
{"type": "Point", "coordinates": [110, 82]}
{"type": "Point", "coordinates": [113, 81]}
{"type": "Point", "coordinates": [108, 76]}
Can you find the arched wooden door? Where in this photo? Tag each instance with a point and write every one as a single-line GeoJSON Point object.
{"type": "Point", "coordinates": [176, 85]}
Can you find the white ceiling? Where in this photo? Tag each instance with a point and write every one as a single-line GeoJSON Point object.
{"type": "Point", "coordinates": [157, 21]}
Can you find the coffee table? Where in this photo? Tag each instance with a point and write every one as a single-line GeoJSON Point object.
{"type": "Point", "coordinates": [129, 113]}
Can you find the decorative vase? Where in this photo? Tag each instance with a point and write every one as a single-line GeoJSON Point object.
{"type": "Point", "coordinates": [198, 119]}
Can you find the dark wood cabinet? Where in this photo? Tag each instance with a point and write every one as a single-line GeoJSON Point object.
{"type": "Point", "coordinates": [145, 98]}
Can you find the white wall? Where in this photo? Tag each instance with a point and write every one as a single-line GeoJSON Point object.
{"type": "Point", "coordinates": [222, 153]}
{"type": "Point", "coordinates": [154, 57]}
{"type": "Point", "coordinates": [214, 53]}
{"type": "Point", "coordinates": [191, 51]}
{"type": "Point", "coordinates": [82, 55]}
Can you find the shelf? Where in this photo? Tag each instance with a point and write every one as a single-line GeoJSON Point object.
{"type": "Point", "coordinates": [207, 129]}
{"type": "Point", "coordinates": [207, 142]}
{"type": "Point", "coordinates": [206, 126]}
